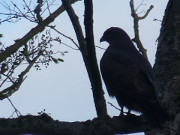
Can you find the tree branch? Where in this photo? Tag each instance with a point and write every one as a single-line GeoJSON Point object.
{"type": "Point", "coordinates": [136, 18]}
{"type": "Point", "coordinates": [15, 109]}
{"type": "Point", "coordinates": [39, 28]}
{"type": "Point", "coordinates": [7, 92]}
{"type": "Point", "coordinates": [44, 124]}
{"type": "Point", "coordinates": [95, 77]}
{"type": "Point", "coordinates": [53, 27]}
{"type": "Point", "coordinates": [88, 53]}
{"type": "Point", "coordinates": [77, 27]}
{"type": "Point", "coordinates": [147, 12]}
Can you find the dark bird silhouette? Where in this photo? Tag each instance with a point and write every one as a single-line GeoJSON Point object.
{"type": "Point", "coordinates": [129, 77]}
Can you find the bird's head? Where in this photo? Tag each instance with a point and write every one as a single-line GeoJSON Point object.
{"type": "Point", "coordinates": [114, 34]}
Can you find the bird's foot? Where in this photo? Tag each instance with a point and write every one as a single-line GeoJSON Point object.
{"type": "Point", "coordinates": [129, 112]}
{"type": "Point", "coordinates": [122, 112]}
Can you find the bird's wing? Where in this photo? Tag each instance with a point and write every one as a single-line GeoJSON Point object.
{"type": "Point", "coordinates": [124, 76]}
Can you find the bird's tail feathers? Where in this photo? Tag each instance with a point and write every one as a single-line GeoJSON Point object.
{"type": "Point", "coordinates": [155, 114]}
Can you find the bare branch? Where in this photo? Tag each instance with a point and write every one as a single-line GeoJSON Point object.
{"type": "Point", "coordinates": [47, 6]}
{"type": "Point", "coordinates": [147, 12]}
{"type": "Point", "coordinates": [100, 47]}
{"type": "Point", "coordinates": [136, 18]}
{"type": "Point", "coordinates": [53, 27]}
{"type": "Point", "coordinates": [70, 46]}
{"type": "Point", "coordinates": [95, 77]}
{"type": "Point", "coordinates": [157, 20]}
{"type": "Point", "coordinates": [77, 27]}
{"type": "Point", "coordinates": [141, 4]}
{"type": "Point", "coordinates": [15, 109]}
{"type": "Point", "coordinates": [114, 106]}
{"type": "Point", "coordinates": [7, 77]}
{"type": "Point", "coordinates": [27, 6]}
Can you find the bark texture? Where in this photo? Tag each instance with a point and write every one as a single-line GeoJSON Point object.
{"type": "Point", "coordinates": [43, 124]}
{"type": "Point", "coordinates": [167, 68]}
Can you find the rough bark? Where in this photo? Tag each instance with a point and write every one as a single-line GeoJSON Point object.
{"type": "Point", "coordinates": [45, 125]}
{"type": "Point", "coordinates": [167, 68]}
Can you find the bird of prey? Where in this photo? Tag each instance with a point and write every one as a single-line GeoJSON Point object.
{"type": "Point", "coordinates": [128, 76]}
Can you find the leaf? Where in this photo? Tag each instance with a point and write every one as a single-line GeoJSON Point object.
{"type": "Point", "coordinates": [61, 60]}
{"type": "Point", "coordinates": [55, 60]}
{"type": "Point", "coordinates": [16, 63]}
{"type": "Point", "coordinates": [25, 53]}
{"type": "Point", "coordinates": [4, 68]}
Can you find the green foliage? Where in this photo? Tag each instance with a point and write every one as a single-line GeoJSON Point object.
{"type": "Point", "coordinates": [57, 60]}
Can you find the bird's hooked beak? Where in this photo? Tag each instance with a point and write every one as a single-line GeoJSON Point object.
{"type": "Point", "coordinates": [102, 39]}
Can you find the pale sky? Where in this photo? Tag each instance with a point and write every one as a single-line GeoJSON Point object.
{"type": "Point", "coordinates": [64, 89]}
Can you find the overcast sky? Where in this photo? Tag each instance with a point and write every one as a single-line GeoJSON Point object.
{"type": "Point", "coordinates": [64, 89]}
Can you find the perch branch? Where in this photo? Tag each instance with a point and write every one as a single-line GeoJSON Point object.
{"type": "Point", "coordinates": [44, 124]}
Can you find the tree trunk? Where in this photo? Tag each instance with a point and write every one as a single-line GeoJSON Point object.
{"type": "Point", "coordinates": [167, 68]}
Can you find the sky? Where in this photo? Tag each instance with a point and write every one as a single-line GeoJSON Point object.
{"type": "Point", "coordinates": [64, 89]}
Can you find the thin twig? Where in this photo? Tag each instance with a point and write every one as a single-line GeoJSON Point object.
{"type": "Point", "coordinates": [116, 108]}
{"type": "Point", "coordinates": [52, 27]}
{"type": "Point", "coordinates": [141, 4]}
{"type": "Point", "coordinates": [157, 20]}
{"type": "Point", "coordinates": [69, 46]}
{"type": "Point", "coordinates": [100, 47]}
{"type": "Point", "coordinates": [48, 6]}
{"type": "Point", "coordinates": [15, 109]}
{"type": "Point", "coordinates": [7, 77]}
{"type": "Point", "coordinates": [31, 12]}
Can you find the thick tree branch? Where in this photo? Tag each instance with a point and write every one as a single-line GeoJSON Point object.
{"type": "Point", "coordinates": [77, 27]}
{"type": "Point", "coordinates": [167, 67]}
{"type": "Point", "coordinates": [88, 53]}
{"type": "Point", "coordinates": [96, 83]}
{"type": "Point", "coordinates": [39, 28]}
{"type": "Point", "coordinates": [167, 58]}
{"type": "Point", "coordinates": [45, 125]}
